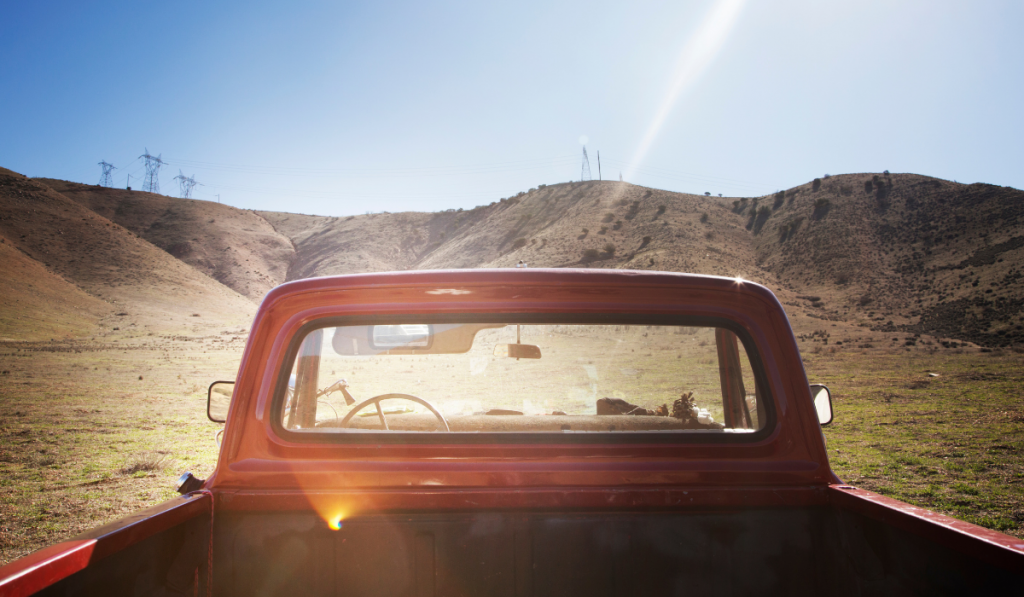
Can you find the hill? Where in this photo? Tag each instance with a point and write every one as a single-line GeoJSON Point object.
{"type": "Point", "coordinates": [900, 254]}
{"type": "Point", "coordinates": [109, 276]}
{"type": "Point", "coordinates": [233, 246]}
{"type": "Point", "coordinates": [905, 256]}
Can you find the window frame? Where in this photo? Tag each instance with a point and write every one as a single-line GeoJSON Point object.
{"type": "Point", "coordinates": [380, 437]}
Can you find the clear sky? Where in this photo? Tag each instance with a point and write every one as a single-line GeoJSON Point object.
{"type": "Point", "coordinates": [338, 108]}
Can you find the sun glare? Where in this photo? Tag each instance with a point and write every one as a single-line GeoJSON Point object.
{"type": "Point", "coordinates": [697, 55]}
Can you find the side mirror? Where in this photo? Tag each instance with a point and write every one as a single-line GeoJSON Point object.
{"type": "Point", "coordinates": [822, 403]}
{"type": "Point", "coordinates": [517, 351]}
{"type": "Point", "coordinates": [218, 399]}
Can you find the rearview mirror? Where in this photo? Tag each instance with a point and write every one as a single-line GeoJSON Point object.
{"type": "Point", "coordinates": [218, 399]}
{"type": "Point", "coordinates": [517, 351]}
{"type": "Point", "coordinates": [822, 403]}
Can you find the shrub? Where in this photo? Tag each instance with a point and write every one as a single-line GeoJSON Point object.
{"type": "Point", "coordinates": [780, 197]}
{"type": "Point", "coordinates": [590, 255]}
{"type": "Point", "coordinates": [647, 241]}
{"type": "Point", "coordinates": [608, 217]}
{"type": "Point", "coordinates": [815, 185]}
{"type": "Point", "coordinates": [604, 229]}
{"type": "Point", "coordinates": [661, 209]}
{"type": "Point", "coordinates": [518, 243]}
{"type": "Point", "coordinates": [867, 186]}
{"type": "Point", "coordinates": [586, 231]}
{"type": "Point", "coordinates": [707, 193]}
{"type": "Point", "coordinates": [704, 218]}
{"type": "Point", "coordinates": [821, 207]}
{"type": "Point", "coordinates": [610, 249]}
{"type": "Point", "coordinates": [762, 216]}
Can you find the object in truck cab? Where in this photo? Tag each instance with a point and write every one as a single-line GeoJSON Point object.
{"type": "Point", "coordinates": [476, 473]}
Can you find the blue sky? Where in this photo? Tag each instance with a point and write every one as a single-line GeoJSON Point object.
{"type": "Point", "coordinates": [338, 108]}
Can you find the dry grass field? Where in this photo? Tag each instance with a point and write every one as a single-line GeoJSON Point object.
{"type": "Point", "coordinates": [91, 431]}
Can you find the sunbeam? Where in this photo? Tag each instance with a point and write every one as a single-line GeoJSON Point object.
{"type": "Point", "coordinates": [696, 56]}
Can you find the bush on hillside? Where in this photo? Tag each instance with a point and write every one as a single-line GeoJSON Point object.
{"type": "Point", "coordinates": [704, 218]}
{"type": "Point", "coordinates": [821, 208]}
{"type": "Point", "coordinates": [590, 255]}
{"type": "Point", "coordinates": [815, 185]}
{"type": "Point", "coordinates": [762, 216]}
{"type": "Point", "coordinates": [609, 249]}
{"type": "Point", "coordinates": [518, 243]}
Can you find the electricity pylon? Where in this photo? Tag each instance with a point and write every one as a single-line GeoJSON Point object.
{"type": "Point", "coordinates": [186, 184]}
{"type": "Point", "coordinates": [105, 179]}
{"type": "Point", "coordinates": [585, 174]}
{"type": "Point", "coordinates": [151, 184]}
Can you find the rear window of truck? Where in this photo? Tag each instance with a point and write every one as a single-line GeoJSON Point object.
{"type": "Point", "coordinates": [407, 378]}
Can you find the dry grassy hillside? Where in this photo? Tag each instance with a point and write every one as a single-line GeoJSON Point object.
{"type": "Point", "coordinates": [552, 226]}
{"type": "Point", "coordinates": [234, 246]}
{"type": "Point", "coordinates": [903, 255]}
{"type": "Point", "coordinates": [373, 243]}
{"type": "Point", "coordinates": [40, 305]}
{"type": "Point", "coordinates": [900, 252]}
{"type": "Point", "coordinates": [146, 287]}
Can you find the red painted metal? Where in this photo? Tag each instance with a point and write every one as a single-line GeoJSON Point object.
{"type": "Point", "coordinates": [56, 562]}
{"type": "Point", "coordinates": [254, 457]}
{"type": "Point", "coordinates": [970, 539]}
{"type": "Point", "coordinates": [547, 499]}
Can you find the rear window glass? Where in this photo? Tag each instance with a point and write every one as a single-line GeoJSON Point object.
{"type": "Point", "coordinates": [513, 378]}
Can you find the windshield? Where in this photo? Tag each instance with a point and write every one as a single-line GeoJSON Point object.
{"type": "Point", "coordinates": [497, 377]}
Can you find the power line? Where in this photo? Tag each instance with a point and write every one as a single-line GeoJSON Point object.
{"type": "Point", "coordinates": [378, 172]}
{"type": "Point", "coordinates": [105, 178]}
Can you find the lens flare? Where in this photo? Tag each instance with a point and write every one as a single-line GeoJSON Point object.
{"type": "Point", "coordinates": [699, 52]}
{"type": "Point", "coordinates": [335, 522]}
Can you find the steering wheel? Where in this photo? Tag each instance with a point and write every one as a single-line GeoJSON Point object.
{"type": "Point", "coordinates": [380, 412]}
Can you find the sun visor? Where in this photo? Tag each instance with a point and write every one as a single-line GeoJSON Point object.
{"type": "Point", "coordinates": [436, 338]}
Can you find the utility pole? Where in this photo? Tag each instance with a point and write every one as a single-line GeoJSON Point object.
{"type": "Point", "coordinates": [151, 184]}
{"type": "Point", "coordinates": [218, 197]}
{"type": "Point", "coordinates": [129, 185]}
{"type": "Point", "coordinates": [105, 178]}
{"type": "Point", "coordinates": [585, 173]}
{"type": "Point", "coordinates": [599, 165]}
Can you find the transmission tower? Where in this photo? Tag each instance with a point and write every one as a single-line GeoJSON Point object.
{"type": "Point", "coordinates": [186, 184]}
{"type": "Point", "coordinates": [151, 184]}
{"type": "Point", "coordinates": [105, 178]}
{"type": "Point", "coordinates": [585, 175]}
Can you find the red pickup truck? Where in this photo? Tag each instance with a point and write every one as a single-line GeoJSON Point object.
{"type": "Point", "coordinates": [523, 432]}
